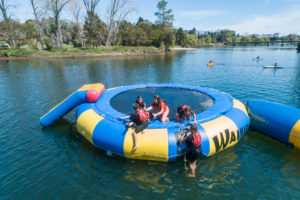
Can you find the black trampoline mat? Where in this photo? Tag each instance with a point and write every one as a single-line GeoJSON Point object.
{"type": "Point", "coordinates": [174, 97]}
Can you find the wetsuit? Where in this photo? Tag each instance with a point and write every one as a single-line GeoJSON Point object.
{"type": "Point", "coordinates": [193, 144]}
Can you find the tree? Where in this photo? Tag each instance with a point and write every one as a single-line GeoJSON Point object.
{"type": "Point", "coordinates": [127, 34]}
{"type": "Point", "coordinates": [94, 29]}
{"type": "Point", "coordinates": [140, 20]}
{"type": "Point", "coordinates": [143, 32]}
{"type": "Point", "coordinates": [28, 34]}
{"type": "Point", "coordinates": [168, 38]}
{"type": "Point", "coordinates": [4, 7]}
{"type": "Point", "coordinates": [165, 20]}
{"type": "Point", "coordinates": [164, 16]}
{"type": "Point", "coordinates": [180, 36]}
{"type": "Point", "coordinates": [76, 10]}
{"type": "Point", "coordinates": [91, 21]}
{"type": "Point", "coordinates": [7, 30]}
{"type": "Point", "coordinates": [190, 40]}
{"type": "Point", "coordinates": [156, 36]}
{"type": "Point", "coordinates": [36, 13]}
{"type": "Point", "coordinates": [118, 11]}
{"type": "Point", "coordinates": [56, 7]}
{"type": "Point", "coordinates": [208, 39]}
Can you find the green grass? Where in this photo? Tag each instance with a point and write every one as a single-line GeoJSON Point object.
{"type": "Point", "coordinates": [71, 50]}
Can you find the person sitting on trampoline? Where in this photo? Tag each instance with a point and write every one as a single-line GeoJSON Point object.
{"type": "Point", "coordinates": [141, 102]}
{"type": "Point", "coordinates": [139, 120]}
{"type": "Point", "coordinates": [193, 145]}
{"type": "Point", "coordinates": [184, 112]}
{"type": "Point", "coordinates": [160, 108]}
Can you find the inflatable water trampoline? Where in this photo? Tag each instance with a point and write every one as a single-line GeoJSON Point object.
{"type": "Point", "coordinates": [222, 120]}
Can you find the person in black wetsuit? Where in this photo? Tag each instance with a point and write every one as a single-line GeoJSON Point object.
{"type": "Point", "coordinates": [193, 145]}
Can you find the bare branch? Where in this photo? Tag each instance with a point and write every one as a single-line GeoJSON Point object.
{"type": "Point", "coordinates": [37, 21]}
{"type": "Point", "coordinates": [56, 7]}
{"type": "Point", "coordinates": [4, 8]}
{"type": "Point", "coordinates": [90, 5]}
{"type": "Point", "coordinates": [119, 9]}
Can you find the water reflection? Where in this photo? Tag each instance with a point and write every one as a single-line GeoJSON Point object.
{"type": "Point", "coordinates": [291, 168]}
{"type": "Point", "coordinates": [148, 176]}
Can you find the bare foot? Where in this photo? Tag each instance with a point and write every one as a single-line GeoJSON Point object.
{"type": "Point", "coordinates": [134, 148]}
{"type": "Point", "coordinates": [191, 175]}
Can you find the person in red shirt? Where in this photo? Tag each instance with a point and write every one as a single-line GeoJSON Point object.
{"type": "Point", "coordinates": [193, 145]}
{"type": "Point", "coordinates": [161, 110]}
{"type": "Point", "coordinates": [184, 112]}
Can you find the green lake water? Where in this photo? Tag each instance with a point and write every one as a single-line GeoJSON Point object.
{"type": "Point", "coordinates": [56, 162]}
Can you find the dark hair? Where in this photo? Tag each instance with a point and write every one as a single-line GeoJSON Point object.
{"type": "Point", "coordinates": [156, 97]}
{"type": "Point", "coordinates": [188, 109]}
{"type": "Point", "coordinates": [180, 111]}
{"type": "Point", "coordinates": [135, 106]}
{"type": "Point", "coordinates": [158, 104]}
{"type": "Point", "coordinates": [194, 128]}
{"type": "Point", "coordinates": [139, 97]}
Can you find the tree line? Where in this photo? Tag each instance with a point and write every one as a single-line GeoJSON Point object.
{"type": "Point", "coordinates": [87, 30]}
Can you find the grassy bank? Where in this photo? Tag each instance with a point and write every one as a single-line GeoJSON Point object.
{"type": "Point", "coordinates": [78, 52]}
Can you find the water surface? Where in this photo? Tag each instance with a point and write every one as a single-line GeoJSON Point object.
{"type": "Point", "coordinates": [57, 163]}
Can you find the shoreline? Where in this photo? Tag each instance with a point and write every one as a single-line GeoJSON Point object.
{"type": "Point", "coordinates": [75, 55]}
{"type": "Point", "coordinates": [43, 55]}
{"type": "Point", "coordinates": [105, 52]}
{"type": "Point", "coordinates": [183, 48]}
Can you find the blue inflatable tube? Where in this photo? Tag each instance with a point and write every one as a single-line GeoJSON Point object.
{"type": "Point", "coordinates": [221, 126]}
{"type": "Point", "coordinates": [87, 93]}
{"type": "Point", "coordinates": [276, 120]}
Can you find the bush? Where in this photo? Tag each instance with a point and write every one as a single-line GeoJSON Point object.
{"type": "Point", "coordinates": [49, 45]}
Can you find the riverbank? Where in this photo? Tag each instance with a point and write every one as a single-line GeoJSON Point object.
{"type": "Point", "coordinates": [19, 54]}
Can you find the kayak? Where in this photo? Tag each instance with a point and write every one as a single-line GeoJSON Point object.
{"type": "Point", "coordinates": [272, 67]}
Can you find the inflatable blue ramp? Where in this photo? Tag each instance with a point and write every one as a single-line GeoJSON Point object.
{"type": "Point", "coordinates": [87, 93]}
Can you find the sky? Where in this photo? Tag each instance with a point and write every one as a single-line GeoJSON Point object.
{"type": "Point", "coordinates": [242, 16]}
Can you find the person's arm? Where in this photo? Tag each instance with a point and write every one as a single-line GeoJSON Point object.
{"type": "Point", "coordinates": [195, 119]}
{"type": "Point", "coordinates": [181, 139]}
{"type": "Point", "coordinates": [162, 109]}
{"type": "Point", "coordinates": [177, 117]}
{"type": "Point", "coordinates": [149, 108]}
{"type": "Point", "coordinates": [129, 123]}
{"type": "Point", "coordinates": [125, 117]}
{"type": "Point", "coordinates": [159, 113]}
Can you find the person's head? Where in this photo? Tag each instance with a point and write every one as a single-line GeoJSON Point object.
{"type": "Point", "coordinates": [179, 110]}
{"type": "Point", "coordinates": [136, 106]}
{"type": "Point", "coordinates": [193, 129]}
{"type": "Point", "coordinates": [188, 111]}
{"type": "Point", "coordinates": [156, 99]}
{"type": "Point", "coordinates": [140, 99]}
